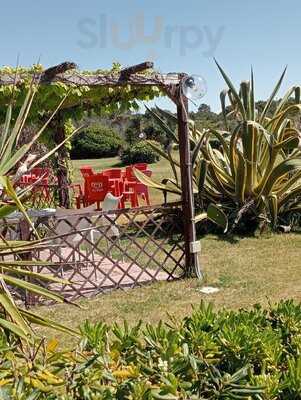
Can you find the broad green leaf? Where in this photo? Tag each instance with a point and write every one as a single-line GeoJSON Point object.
{"type": "Point", "coordinates": [223, 96]}
{"type": "Point", "coordinates": [12, 193]}
{"type": "Point", "coordinates": [33, 288]}
{"type": "Point", "coordinates": [289, 196]}
{"type": "Point", "coordinates": [196, 151]}
{"type": "Point", "coordinates": [151, 183]}
{"type": "Point", "coordinates": [168, 115]}
{"type": "Point", "coordinates": [201, 176]}
{"type": "Point", "coordinates": [252, 98]}
{"type": "Point", "coordinates": [6, 210]}
{"type": "Point", "coordinates": [37, 319]}
{"type": "Point", "coordinates": [216, 215]}
{"type": "Point", "coordinates": [287, 166]}
{"type": "Point", "coordinates": [10, 307]}
{"type": "Point", "coordinates": [172, 164]}
{"type": "Point", "coordinates": [5, 130]}
{"type": "Point", "coordinates": [240, 179]}
{"type": "Point", "coordinates": [284, 101]}
{"type": "Point", "coordinates": [14, 328]}
{"type": "Point", "coordinates": [11, 139]}
{"type": "Point", "coordinates": [31, 274]}
{"type": "Point", "coordinates": [273, 207]}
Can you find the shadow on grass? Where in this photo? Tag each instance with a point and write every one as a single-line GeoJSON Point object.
{"type": "Point", "coordinates": [232, 239]}
{"type": "Point", "coordinates": [118, 164]}
{"type": "Point", "coordinates": [229, 238]}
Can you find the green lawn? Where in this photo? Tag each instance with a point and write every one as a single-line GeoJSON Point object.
{"type": "Point", "coordinates": [247, 271]}
{"type": "Point", "coordinates": [160, 170]}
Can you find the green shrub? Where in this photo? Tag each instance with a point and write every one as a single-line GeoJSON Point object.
{"type": "Point", "coordinates": [95, 142]}
{"type": "Point", "coordinates": [140, 152]}
{"type": "Point", "coordinates": [245, 354]}
{"type": "Point", "coordinates": [132, 135]}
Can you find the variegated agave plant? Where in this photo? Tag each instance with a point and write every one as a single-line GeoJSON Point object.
{"type": "Point", "coordinates": [254, 172]}
{"type": "Point", "coordinates": [14, 272]}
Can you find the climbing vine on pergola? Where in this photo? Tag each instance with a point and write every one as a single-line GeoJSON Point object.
{"type": "Point", "coordinates": [114, 90]}
{"type": "Point", "coordinates": [101, 90]}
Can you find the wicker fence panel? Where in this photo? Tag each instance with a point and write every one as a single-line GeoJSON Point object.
{"type": "Point", "coordinates": [98, 251]}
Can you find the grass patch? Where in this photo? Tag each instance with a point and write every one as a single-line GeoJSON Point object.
{"type": "Point", "coordinates": [248, 271]}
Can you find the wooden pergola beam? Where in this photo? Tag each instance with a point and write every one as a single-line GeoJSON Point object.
{"type": "Point", "coordinates": [51, 72]}
{"type": "Point", "coordinates": [77, 79]}
{"type": "Point", "coordinates": [134, 69]}
{"type": "Point", "coordinates": [119, 79]}
{"type": "Point", "coordinates": [66, 73]}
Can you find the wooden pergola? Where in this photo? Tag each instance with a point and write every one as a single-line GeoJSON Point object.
{"type": "Point", "coordinates": [170, 85]}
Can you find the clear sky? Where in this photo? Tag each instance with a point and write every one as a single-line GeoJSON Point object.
{"type": "Point", "coordinates": [176, 35]}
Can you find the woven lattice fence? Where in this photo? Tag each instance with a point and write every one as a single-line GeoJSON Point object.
{"type": "Point", "coordinates": [97, 251]}
{"type": "Point", "coordinates": [47, 196]}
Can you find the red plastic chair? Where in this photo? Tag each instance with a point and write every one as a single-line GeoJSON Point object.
{"type": "Point", "coordinates": [40, 190]}
{"type": "Point", "coordinates": [114, 173]}
{"type": "Point", "coordinates": [96, 188]}
{"type": "Point", "coordinates": [115, 179]}
{"type": "Point", "coordinates": [141, 166]}
{"type": "Point", "coordinates": [86, 171]}
{"type": "Point", "coordinates": [24, 180]}
{"type": "Point", "coordinates": [129, 174]}
{"type": "Point", "coordinates": [142, 190]}
{"type": "Point", "coordinates": [128, 193]}
{"type": "Point", "coordinates": [40, 173]}
{"type": "Point", "coordinates": [133, 185]}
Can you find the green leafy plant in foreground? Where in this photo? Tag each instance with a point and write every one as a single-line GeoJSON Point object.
{"type": "Point", "coordinates": [247, 354]}
{"type": "Point", "coordinates": [250, 172]}
{"type": "Point", "coordinates": [15, 271]}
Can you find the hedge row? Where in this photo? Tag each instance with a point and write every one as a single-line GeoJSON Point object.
{"type": "Point", "coordinates": [95, 142]}
{"type": "Point", "coordinates": [99, 141]}
{"type": "Point", "coordinates": [248, 354]}
{"type": "Point", "coordinates": [140, 152]}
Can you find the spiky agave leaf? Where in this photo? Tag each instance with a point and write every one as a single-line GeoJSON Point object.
{"type": "Point", "coordinates": [17, 273]}
{"type": "Point", "coordinates": [260, 159]}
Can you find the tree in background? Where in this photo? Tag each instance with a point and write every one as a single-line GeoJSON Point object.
{"type": "Point", "coordinates": [204, 118]}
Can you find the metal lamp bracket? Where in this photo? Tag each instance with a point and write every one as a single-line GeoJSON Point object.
{"type": "Point", "coordinates": [195, 247]}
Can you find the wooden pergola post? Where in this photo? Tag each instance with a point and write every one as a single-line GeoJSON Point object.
{"type": "Point", "coordinates": [61, 166]}
{"type": "Point", "coordinates": [192, 246]}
